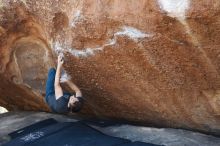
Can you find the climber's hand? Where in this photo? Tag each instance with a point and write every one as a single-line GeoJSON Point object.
{"type": "Point", "coordinates": [60, 61]}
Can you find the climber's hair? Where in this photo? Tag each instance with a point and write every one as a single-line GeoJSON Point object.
{"type": "Point", "coordinates": [77, 106]}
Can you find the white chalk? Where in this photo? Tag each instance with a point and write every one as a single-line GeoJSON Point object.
{"type": "Point", "coordinates": [110, 42]}
{"type": "Point", "coordinates": [85, 52]}
{"type": "Point", "coordinates": [64, 77]}
{"type": "Point", "coordinates": [58, 48]}
{"type": "Point", "coordinates": [2, 5]}
{"type": "Point", "coordinates": [132, 33]}
{"type": "Point", "coordinates": [77, 16]}
{"type": "Point", "coordinates": [128, 31]}
{"type": "Point", "coordinates": [175, 8]}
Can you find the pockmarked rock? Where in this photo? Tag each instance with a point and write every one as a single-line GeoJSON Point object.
{"type": "Point", "coordinates": [155, 62]}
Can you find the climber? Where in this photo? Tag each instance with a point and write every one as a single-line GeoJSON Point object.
{"type": "Point", "coordinates": [57, 100]}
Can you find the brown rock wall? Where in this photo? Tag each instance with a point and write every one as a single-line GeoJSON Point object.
{"type": "Point", "coordinates": [154, 62]}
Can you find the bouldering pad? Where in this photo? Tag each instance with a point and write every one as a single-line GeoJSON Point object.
{"type": "Point", "coordinates": [32, 127]}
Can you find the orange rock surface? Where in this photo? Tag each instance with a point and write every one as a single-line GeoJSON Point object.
{"type": "Point", "coordinates": [154, 62]}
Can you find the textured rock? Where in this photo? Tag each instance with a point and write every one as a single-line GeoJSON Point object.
{"type": "Point", "coordinates": [154, 62]}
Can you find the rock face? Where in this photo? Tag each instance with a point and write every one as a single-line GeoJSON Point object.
{"type": "Point", "coordinates": [155, 62]}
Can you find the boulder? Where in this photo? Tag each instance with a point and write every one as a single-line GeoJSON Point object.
{"type": "Point", "coordinates": [154, 62]}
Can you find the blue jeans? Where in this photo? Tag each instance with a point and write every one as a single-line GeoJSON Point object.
{"type": "Point", "coordinates": [50, 83]}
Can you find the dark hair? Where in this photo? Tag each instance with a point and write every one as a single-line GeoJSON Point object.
{"type": "Point", "coordinates": [76, 107]}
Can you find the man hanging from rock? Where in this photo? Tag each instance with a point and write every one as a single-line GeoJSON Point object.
{"type": "Point", "coordinates": [58, 100]}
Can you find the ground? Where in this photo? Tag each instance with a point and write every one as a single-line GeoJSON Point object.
{"type": "Point", "coordinates": [12, 121]}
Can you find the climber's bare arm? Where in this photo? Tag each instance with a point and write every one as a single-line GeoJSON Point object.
{"type": "Point", "coordinates": [58, 89]}
{"type": "Point", "coordinates": [74, 88]}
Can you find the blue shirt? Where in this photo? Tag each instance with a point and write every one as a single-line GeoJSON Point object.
{"type": "Point", "coordinates": [60, 105]}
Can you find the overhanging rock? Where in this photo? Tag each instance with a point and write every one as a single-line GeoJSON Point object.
{"type": "Point", "coordinates": [153, 62]}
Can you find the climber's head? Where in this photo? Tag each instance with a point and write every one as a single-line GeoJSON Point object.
{"type": "Point", "coordinates": [75, 103]}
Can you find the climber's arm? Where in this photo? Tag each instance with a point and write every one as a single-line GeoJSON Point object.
{"type": "Point", "coordinates": [58, 89]}
{"type": "Point", "coordinates": [74, 88]}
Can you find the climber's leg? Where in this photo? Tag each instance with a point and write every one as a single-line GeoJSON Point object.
{"type": "Point", "coordinates": [50, 82]}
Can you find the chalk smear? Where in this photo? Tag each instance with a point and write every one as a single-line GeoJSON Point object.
{"type": "Point", "coordinates": [132, 33]}
{"type": "Point", "coordinates": [64, 77]}
{"type": "Point", "coordinates": [85, 52]}
{"type": "Point", "coordinates": [110, 42]}
{"type": "Point", "coordinates": [58, 48]}
{"type": "Point", "coordinates": [24, 2]}
{"type": "Point", "coordinates": [175, 8]}
{"type": "Point", "coordinates": [76, 17]}
{"type": "Point", "coordinates": [128, 31]}
{"type": "Point", "coordinates": [6, 3]}
{"type": "Point", "coordinates": [1, 4]}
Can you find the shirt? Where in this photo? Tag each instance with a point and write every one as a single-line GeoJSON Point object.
{"type": "Point", "coordinates": [60, 105]}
